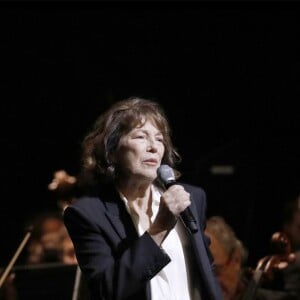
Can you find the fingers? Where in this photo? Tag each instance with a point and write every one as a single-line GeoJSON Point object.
{"type": "Point", "coordinates": [176, 199]}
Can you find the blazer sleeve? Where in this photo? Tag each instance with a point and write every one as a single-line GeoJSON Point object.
{"type": "Point", "coordinates": [111, 274]}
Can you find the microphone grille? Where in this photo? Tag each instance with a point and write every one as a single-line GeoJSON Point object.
{"type": "Point", "coordinates": [166, 174]}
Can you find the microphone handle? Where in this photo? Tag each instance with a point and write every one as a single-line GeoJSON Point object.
{"type": "Point", "coordinates": [189, 220]}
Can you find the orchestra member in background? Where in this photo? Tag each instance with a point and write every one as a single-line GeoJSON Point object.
{"type": "Point", "coordinates": [291, 227]}
{"type": "Point", "coordinates": [63, 188]}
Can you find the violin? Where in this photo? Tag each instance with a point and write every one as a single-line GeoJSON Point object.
{"type": "Point", "coordinates": [281, 247]}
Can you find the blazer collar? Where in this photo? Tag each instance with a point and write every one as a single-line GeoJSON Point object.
{"type": "Point", "coordinates": [117, 214]}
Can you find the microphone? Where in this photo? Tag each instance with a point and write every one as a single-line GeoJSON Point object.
{"type": "Point", "coordinates": [167, 177]}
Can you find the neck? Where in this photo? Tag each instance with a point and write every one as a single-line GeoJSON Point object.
{"type": "Point", "coordinates": [138, 196]}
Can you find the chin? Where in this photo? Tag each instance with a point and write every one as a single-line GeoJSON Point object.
{"type": "Point", "coordinates": [150, 175]}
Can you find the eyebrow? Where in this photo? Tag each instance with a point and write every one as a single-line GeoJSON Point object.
{"type": "Point", "coordinates": [146, 131]}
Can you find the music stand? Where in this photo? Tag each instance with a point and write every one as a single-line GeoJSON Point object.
{"type": "Point", "coordinates": [50, 281]}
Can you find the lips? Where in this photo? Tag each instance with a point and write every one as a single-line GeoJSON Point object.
{"type": "Point", "coordinates": [151, 161]}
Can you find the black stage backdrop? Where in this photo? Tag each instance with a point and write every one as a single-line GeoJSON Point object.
{"type": "Point", "coordinates": [227, 74]}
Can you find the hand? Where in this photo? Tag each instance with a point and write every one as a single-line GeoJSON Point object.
{"type": "Point", "coordinates": [281, 259]}
{"type": "Point", "coordinates": [173, 201]}
{"type": "Point", "coordinates": [176, 199]}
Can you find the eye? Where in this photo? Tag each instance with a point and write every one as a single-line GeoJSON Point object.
{"type": "Point", "coordinates": [139, 136]}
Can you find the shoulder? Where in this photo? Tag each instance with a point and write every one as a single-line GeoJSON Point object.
{"type": "Point", "coordinates": [85, 206]}
{"type": "Point", "coordinates": [95, 200]}
{"type": "Point", "coordinates": [86, 202]}
{"type": "Point", "coordinates": [198, 202]}
{"type": "Point", "coordinates": [94, 205]}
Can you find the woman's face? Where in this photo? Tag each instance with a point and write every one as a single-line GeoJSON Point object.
{"type": "Point", "coordinates": [140, 152]}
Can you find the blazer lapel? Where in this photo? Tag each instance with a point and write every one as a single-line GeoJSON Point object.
{"type": "Point", "coordinates": [205, 266]}
{"type": "Point", "coordinates": [113, 215]}
{"type": "Point", "coordinates": [119, 218]}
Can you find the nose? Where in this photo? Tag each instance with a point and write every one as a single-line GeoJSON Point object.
{"type": "Point", "coordinates": [152, 147]}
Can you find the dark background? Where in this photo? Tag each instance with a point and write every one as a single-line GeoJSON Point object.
{"type": "Point", "coordinates": [226, 73]}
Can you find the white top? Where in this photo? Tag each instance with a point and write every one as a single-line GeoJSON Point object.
{"type": "Point", "coordinates": [172, 282]}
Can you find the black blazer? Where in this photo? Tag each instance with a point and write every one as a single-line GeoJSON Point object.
{"type": "Point", "coordinates": [118, 264]}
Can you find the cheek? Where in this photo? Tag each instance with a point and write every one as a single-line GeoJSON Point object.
{"type": "Point", "coordinates": [127, 157]}
{"type": "Point", "coordinates": [161, 148]}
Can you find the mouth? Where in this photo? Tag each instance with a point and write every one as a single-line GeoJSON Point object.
{"type": "Point", "coordinates": [150, 162]}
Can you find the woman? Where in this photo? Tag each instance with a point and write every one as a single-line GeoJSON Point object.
{"type": "Point", "coordinates": [128, 235]}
